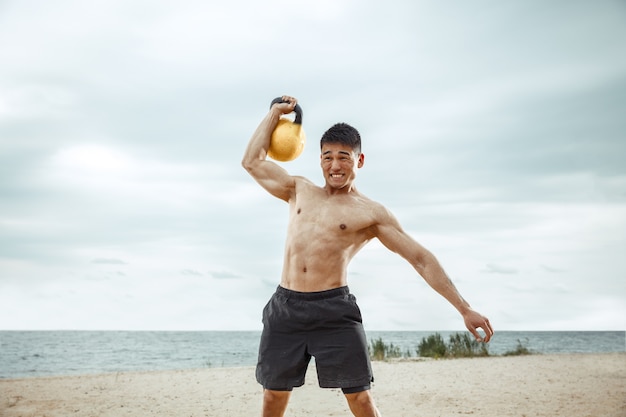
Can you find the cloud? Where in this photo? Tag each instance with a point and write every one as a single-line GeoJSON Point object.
{"type": "Point", "coordinates": [224, 275]}
{"type": "Point", "coordinates": [191, 272]}
{"type": "Point", "coordinates": [495, 135]}
{"type": "Point", "coordinates": [108, 261]}
{"type": "Point", "coordinates": [499, 269]}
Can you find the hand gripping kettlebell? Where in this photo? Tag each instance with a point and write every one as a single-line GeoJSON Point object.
{"type": "Point", "coordinates": [288, 139]}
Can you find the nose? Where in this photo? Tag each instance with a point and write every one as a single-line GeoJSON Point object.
{"type": "Point", "coordinates": [335, 165]}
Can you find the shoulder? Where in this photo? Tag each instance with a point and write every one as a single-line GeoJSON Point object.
{"type": "Point", "coordinates": [300, 180]}
{"type": "Point", "coordinates": [369, 203]}
{"type": "Point", "coordinates": [382, 216]}
{"type": "Point", "coordinates": [304, 188]}
{"type": "Point", "coordinates": [304, 184]}
{"type": "Point", "coordinates": [379, 213]}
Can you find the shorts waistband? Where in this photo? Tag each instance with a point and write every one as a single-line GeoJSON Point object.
{"type": "Point", "coordinates": [316, 295]}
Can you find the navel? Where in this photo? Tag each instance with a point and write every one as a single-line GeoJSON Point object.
{"type": "Point", "coordinates": [304, 269]}
{"type": "Point", "coordinates": [342, 226]}
{"type": "Point", "coordinates": [299, 210]}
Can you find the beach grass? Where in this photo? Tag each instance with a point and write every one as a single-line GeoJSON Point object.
{"type": "Point", "coordinates": [520, 349]}
{"type": "Point", "coordinates": [459, 345]}
{"type": "Point", "coordinates": [380, 351]}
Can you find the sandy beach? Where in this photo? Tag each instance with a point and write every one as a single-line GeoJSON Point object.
{"type": "Point", "coordinates": [573, 385]}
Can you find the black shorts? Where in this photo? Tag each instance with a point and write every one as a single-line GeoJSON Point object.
{"type": "Point", "coordinates": [326, 325]}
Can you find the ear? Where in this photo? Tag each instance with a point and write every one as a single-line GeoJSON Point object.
{"type": "Point", "coordinates": [361, 160]}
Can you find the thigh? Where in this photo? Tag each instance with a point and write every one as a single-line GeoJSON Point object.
{"type": "Point", "coordinates": [340, 347]}
{"type": "Point", "coordinates": [283, 356]}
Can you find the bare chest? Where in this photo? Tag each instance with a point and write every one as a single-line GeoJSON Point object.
{"type": "Point", "coordinates": [333, 217]}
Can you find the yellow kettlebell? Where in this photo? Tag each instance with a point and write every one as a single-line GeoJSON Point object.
{"type": "Point", "coordinates": [288, 139]}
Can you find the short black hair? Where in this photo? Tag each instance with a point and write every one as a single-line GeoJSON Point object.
{"type": "Point", "coordinates": [344, 134]}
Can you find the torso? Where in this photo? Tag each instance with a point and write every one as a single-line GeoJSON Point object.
{"type": "Point", "coordinates": [325, 231]}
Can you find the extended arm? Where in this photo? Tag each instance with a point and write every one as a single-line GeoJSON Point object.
{"type": "Point", "coordinates": [267, 173]}
{"type": "Point", "coordinates": [390, 233]}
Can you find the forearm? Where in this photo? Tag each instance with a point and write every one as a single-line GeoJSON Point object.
{"type": "Point", "coordinates": [436, 277]}
{"type": "Point", "coordinates": [260, 140]}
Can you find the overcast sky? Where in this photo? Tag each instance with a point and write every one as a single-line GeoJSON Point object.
{"type": "Point", "coordinates": [495, 132]}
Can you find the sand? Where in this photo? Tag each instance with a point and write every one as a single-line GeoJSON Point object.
{"type": "Point", "coordinates": [572, 385]}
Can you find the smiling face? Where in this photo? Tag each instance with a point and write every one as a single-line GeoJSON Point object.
{"type": "Point", "coordinates": [339, 164]}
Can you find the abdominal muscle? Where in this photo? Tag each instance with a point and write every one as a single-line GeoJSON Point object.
{"type": "Point", "coordinates": [313, 273]}
{"type": "Point", "coordinates": [317, 259]}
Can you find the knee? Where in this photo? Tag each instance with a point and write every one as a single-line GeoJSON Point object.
{"type": "Point", "coordinates": [361, 400]}
{"type": "Point", "coordinates": [271, 397]}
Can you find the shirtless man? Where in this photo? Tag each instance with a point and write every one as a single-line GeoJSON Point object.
{"type": "Point", "coordinates": [312, 312]}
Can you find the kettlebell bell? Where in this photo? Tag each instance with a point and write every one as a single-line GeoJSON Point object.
{"type": "Point", "coordinates": [288, 139]}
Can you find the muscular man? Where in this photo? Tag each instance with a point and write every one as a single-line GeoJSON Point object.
{"type": "Point", "coordinates": [312, 312]}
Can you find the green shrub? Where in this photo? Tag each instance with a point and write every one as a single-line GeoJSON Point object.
{"type": "Point", "coordinates": [458, 346]}
{"type": "Point", "coordinates": [465, 346]}
{"type": "Point", "coordinates": [380, 351]}
{"type": "Point", "coordinates": [377, 349]}
{"type": "Point", "coordinates": [432, 346]}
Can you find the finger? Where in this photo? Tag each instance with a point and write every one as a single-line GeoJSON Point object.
{"type": "Point", "coordinates": [487, 335]}
{"type": "Point", "coordinates": [475, 333]}
{"type": "Point", "coordinates": [488, 330]}
{"type": "Point", "coordinates": [291, 100]}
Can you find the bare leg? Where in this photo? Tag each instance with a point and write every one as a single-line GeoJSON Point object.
{"type": "Point", "coordinates": [362, 404]}
{"type": "Point", "coordinates": [275, 403]}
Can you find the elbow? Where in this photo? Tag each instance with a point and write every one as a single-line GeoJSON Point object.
{"type": "Point", "coordinates": [248, 163]}
{"type": "Point", "coordinates": [424, 261]}
{"type": "Point", "coordinates": [249, 167]}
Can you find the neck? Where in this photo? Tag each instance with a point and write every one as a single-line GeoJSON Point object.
{"type": "Point", "coordinates": [348, 189]}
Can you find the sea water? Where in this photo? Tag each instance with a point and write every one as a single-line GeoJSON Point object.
{"type": "Point", "coordinates": [52, 353]}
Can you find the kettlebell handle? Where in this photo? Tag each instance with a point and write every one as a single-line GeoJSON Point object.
{"type": "Point", "coordinates": [297, 109]}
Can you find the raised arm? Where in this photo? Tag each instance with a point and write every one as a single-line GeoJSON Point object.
{"type": "Point", "coordinates": [268, 174]}
{"type": "Point", "coordinates": [390, 233]}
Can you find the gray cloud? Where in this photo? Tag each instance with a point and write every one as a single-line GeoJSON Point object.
{"type": "Point", "coordinates": [495, 134]}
